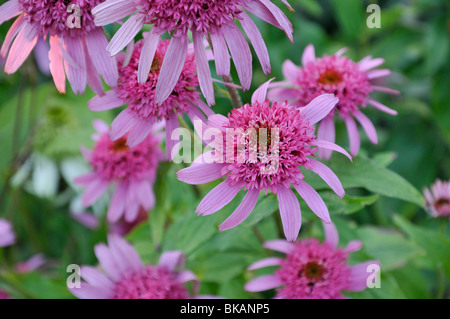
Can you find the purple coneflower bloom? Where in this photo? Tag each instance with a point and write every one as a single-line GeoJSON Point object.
{"type": "Point", "coordinates": [7, 236]}
{"type": "Point", "coordinates": [131, 169]}
{"type": "Point", "coordinates": [312, 270]}
{"type": "Point", "coordinates": [127, 278]}
{"type": "Point", "coordinates": [438, 199]}
{"type": "Point", "coordinates": [272, 170]}
{"type": "Point", "coordinates": [76, 52]}
{"type": "Point", "coordinates": [142, 111]}
{"type": "Point", "coordinates": [204, 18]}
{"type": "Point", "coordinates": [351, 82]}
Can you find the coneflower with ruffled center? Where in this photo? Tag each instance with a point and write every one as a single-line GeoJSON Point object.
{"type": "Point", "coordinates": [438, 199]}
{"type": "Point", "coordinates": [350, 81]}
{"type": "Point", "coordinates": [273, 166]}
{"type": "Point", "coordinates": [142, 111]}
{"type": "Point", "coordinates": [127, 278]}
{"type": "Point", "coordinates": [212, 19]}
{"type": "Point", "coordinates": [76, 51]}
{"type": "Point", "coordinates": [7, 236]}
{"type": "Point", "coordinates": [312, 270]}
{"type": "Point", "coordinates": [132, 170]}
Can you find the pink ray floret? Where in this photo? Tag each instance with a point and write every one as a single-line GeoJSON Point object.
{"type": "Point", "coordinates": [438, 199]}
{"type": "Point", "coordinates": [7, 235]}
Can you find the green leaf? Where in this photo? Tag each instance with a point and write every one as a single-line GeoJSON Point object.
{"type": "Point", "coordinates": [413, 283]}
{"type": "Point", "coordinates": [368, 174]}
{"type": "Point", "coordinates": [350, 15]}
{"type": "Point", "coordinates": [348, 204]}
{"type": "Point", "coordinates": [265, 207]}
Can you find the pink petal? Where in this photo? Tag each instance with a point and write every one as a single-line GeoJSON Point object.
{"type": "Point", "coordinates": [126, 33]}
{"type": "Point", "coordinates": [41, 52]}
{"type": "Point", "coordinates": [15, 28]}
{"type": "Point", "coordinates": [365, 65]}
{"type": "Point", "coordinates": [221, 55]}
{"type": "Point", "coordinates": [131, 206]}
{"type": "Point", "coordinates": [117, 205]}
{"type": "Point", "coordinates": [144, 193]}
{"type": "Point", "coordinates": [260, 94]}
{"type": "Point", "coordinates": [112, 11]}
{"type": "Point", "coordinates": [100, 126]}
{"type": "Point", "coordinates": [331, 234]}
{"type": "Point", "coordinates": [385, 89]}
{"type": "Point", "coordinates": [9, 10]}
{"type": "Point", "coordinates": [313, 200]}
{"type": "Point", "coordinates": [139, 132]}
{"type": "Point", "coordinates": [320, 107]}
{"type": "Point", "coordinates": [121, 125]}
{"type": "Point", "coordinates": [187, 276]}
{"type": "Point", "coordinates": [290, 71]}
{"type": "Point", "coordinates": [353, 246]}
{"type": "Point", "coordinates": [124, 253]}
{"type": "Point", "coordinates": [383, 107]}
{"type": "Point", "coordinates": [263, 283]}
{"type": "Point", "coordinates": [151, 42]}
{"type": "Point", "coordinates": [75, 74]}
{"type": "Point", "coordinates": [218, 120]}
{"type": "Point", "coordinates": [85, 180]}
{"type": "Point", "coordinates": [375, 74]}
{"type": "Point", "coordinates": [290, 213]}
{"type": "Point", "coordinates": [256, 40]}
{"type": "Point", "coordinates": [266, 262]}
{"type": "Point", "coordinates": [217, 198]}
{"type": "Point", "coordinates": [326, 132]}
{"type": "Point", "coordinates": [57, 64]}
{"type": "Point", "coordinates": [327, 175]}
{"type": "Point", "coordinates": [94, 191]}
{"type": "Point", "coordinates": [240, 53]}
{"type": "Point", "coordinates": [93, 78]}
{"type": "Point", "coordinates": [242, 211]}
{"type": "Point", "coordinates": [172, 260]}
{"type": "Point", "coordinates": [331, 146]}
{"type": "Point", "coordinates": [23, 44]}
{"type": "Point", "coordinates": [106, 65]}
{"type": "Point", "coordinates": [282, 20]}
{"type": "Point", "coordinates": [200, 173]}
{"type": "Point", "coordinates": [95, 278]}
{"type": "Point", "coordinates": [171, 148]}
{"type": "Point", "coordinates": [203, 71]}
{"type": "Point", "coordinates": [309, 55]}
{"type": "Point", "coordinates": [367, 125]}
{"type": "Point", "coordinates": [87, 154]}
{"type": "Point", "coordinates": [358, 275]}
{"type": "Point", "coordinates": [353, 135]}
{"type": "Point", "coordinates": [280, 245]}
{"type": "Point", "coordinates": [90, 292]}
{"type": "Point", "coordinates": [107, 261]}
{"type": "Point", "coordinates": [341, 52]}
{"type": "Point", "coordinates": [107, 101]}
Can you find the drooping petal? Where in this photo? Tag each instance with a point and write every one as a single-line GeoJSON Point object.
{"type": "Point", "coordinates": [171, 67]}
{"type": "Point", "coordinates": [107, 261]}
{"type": "Point", "coordinates": [23, 44]}
{"type": "Point", "coordinates": [13, 31]}
{"type": "Point", "coordinates": [290, 213]}
{"type": "Point", "coordinates": [107, 101]}
{"type": "Point", "coordinates": [106, 65]}
{"type": "Point", "coordinates": [187, 276]}
{"type": "Point", "coordinates": [331, 234]}
{"type": "Point", "coordinates": [171, 148]}
{"type": "Point", "coordinates": [359, 275]}
{"type": "Point", "coordinates": [367, 125]}
{"type": "Point", "coordinates": [282, 20]}
{"type": "Point", "coordinates": [95, 277]}
{"type": "Point", "coordinates": [326, 132]}
{"type": "Point", "coordinates": [85, 180]}
{"type": "Point", "coordinates": [144, 194]}
{"type": "Point", "coordinates": [9, 10]}
{"type": "Point", "coordinates": [320, 107]}
{"type": "Point", "coordinates": [280, 245]}
{"type": "Point", "coordinates": [121, 125]}
{"type": "Point", "coordinates": [112, 11]}
{"type": "Point", "coordinates": [327, 175]}
{"type": "Point", "coordinates": [256, 40]}
{"type": "Point", "coordinates": [240, 52]}
{"type": "Point", "coordinates": [242, 211]}
{"type": "Point", "coordinates": [149, 47]}
{"type": "Point", "coordinates": [266, 262]}
{"type": "Point", "coordinates": [139, 132]}
{"type": "Point", "coordinates": [221, 55]}
{"type": "Point", "coordinates": [331, 146]}
{"type": "Point", "coordinates": [368, 64]}
{"type": "Point", "coordinates": [75, 74]}
{"type": "Point", "coordinates": [94, 191]}
{"type": "Point", "coordinates": [203, 71]}
{"type": "Point", "coordinates": [124, 253]}
{"type": "Point", "coordinates": [353, 135]}
{"type": "Point", "coordinates": [57, 64]}
{"type": "Point", "coordinates": [309, 55]}
{"type": "Point", "coordinates": [217, 198]}
{"type": "Point", "coordinates": [260, 94]}
{"type": "Point", "coordinates": [353, 246]}
{"type": "Point", "coordinates": [200, 173]}
{"type": "Point", "coordinates": [385, 89]}
{"type": "Point", "coordinates": [313, 200]}
{"type": "Point", "coordinates": [290, 71]}
{"type": "Point", "coordinates": [375, 74]}
{"type": "Point", "coordinates": [172, 260]}
{"type": "Point", "coordinates": [383, 107]}
{"type": "Point", "coordinates": [263, 283]}
{"type": "Point", "coordinates": [92, 77]}
{"type": "Point", "coordinates": [126, 33]}
{"type": "Point", "coordinates": [86, 291]}
{"type": "Point", "coordinates": [117, 205]}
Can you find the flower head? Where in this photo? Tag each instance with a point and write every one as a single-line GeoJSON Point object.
{"type": "Point", "coordinates": [212, 19]}
{"type": "Point", "coordinates": [77, 45]}
{"type": "Point", "coordinates": [142, 111]}
{"type": "Point", "coordinates": [132, 170]}
{"type": "Point", "coordinates": [127, 278]}
{"type": "Point", "coordinates": [312, 270]}
{"type": "Point", "coordinates": [349, 81]}
{"type": "Point", "coordinates": [7, 236]}
{"type": "Point", "coordinates": [262, 147]}
{"type": "Point", "coordinates": [438, 199]}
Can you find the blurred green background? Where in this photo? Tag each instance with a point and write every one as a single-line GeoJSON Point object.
{"type": "Point", "coordinates": [414, 41]}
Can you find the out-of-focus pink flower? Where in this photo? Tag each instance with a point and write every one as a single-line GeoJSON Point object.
{"type": "Point", "coordinates": [77, 51]}
{"type": "Point", "coordinates": [351, 82]}
{"type": "Point", "coordinates": [127, 278]}
{"type": "Point", "coordinates": [143, 111]}
{"type": "Point", "coordinates": [438, 199]}
{"type": "Point", "coordinates": [130, 170]}
{"type": "Point", "coordinates": [4, 295]}
{"type": "Point", "coordinates": [204, 18]}
{"type": "Point", "coordinates": [274, 166]}
{"type": "Point", "coordinates": [312, 270]}
{"type": "Point", "coordinates": [31, 264]}
{"type": "Point", "coordinates": [7, 236]}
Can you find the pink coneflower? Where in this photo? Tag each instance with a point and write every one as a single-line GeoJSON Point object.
{"type": "Point", "coordinates": [438, 199]}
{"type": "Point", "coordinates": [289, 136]}
{"type": "Point", "coordinates": [312, 270]}
{"type": "Point", "coordinates": [204, 18]}
{"type": "Point", "coordinates": [132, 170]}
{"type": "Point", "coordinates": [76, 52]}
{"type": "Point", "coordinates": [127, 278]}
{"type": "Point", "coordinates": [7, 236]}
{"type": "Point", "coordinates": [351, 82]}
{"type": "Point", "coordinates": [142, 111]}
